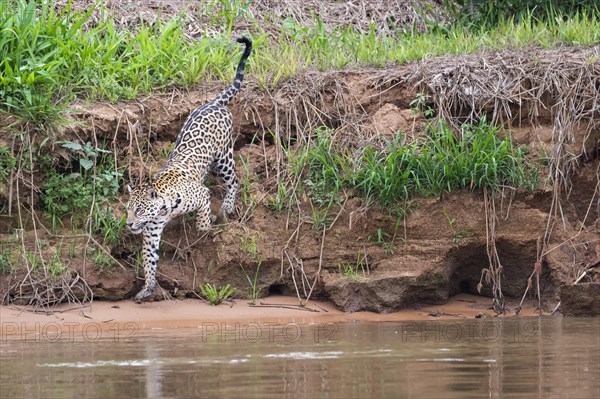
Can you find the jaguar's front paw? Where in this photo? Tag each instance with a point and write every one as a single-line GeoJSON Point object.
{"type": "Point", "coordinates": [144, 294]}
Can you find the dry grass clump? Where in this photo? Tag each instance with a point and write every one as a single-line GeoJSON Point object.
{"type": "Point", "coordinates": [390, 16]}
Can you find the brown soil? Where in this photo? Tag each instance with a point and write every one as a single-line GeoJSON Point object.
{"type": "Point", "coordinates": [432, 258]}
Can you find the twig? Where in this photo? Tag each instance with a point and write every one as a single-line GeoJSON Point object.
{"type": "Point", "coordinates": [555, 308]}
{"type": "Point", "coordinates": [293, 307]}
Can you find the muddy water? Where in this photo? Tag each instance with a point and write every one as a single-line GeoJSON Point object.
{"type": "Point", "coordinates": [528, 357]}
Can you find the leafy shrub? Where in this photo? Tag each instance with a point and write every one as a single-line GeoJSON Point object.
{"type": "Point", "coordinates": [65, 194]}
{"type": "Point", "coordinates": [74, 193]}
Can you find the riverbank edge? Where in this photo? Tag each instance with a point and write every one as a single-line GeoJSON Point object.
{"type": "Point", "coordinates": [127, 319]}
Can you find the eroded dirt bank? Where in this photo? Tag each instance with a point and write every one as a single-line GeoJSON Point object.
{"type": "Point", "coordinates": [549, 101]}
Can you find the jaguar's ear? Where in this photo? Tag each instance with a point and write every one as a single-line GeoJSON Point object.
{"type": "Point", "coordinates": [129, 190]}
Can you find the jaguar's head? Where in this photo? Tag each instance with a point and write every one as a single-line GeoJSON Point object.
{"type": "Point", "coordinates": [144, 205]}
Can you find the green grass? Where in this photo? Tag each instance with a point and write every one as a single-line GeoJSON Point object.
{"type": "Point", "coordinates": [48, 59]}
{"type": "Point", "coordinates": [327, 164]}
{"type": "Point", "coordinates": [431, 166]}
{"type": "Point", "coordinates": [353, 271]}
{"type": "Point", "coordinates": [10, 256]}
{"type": "Point", "coordinates": [254, 292]}
{"type": "Point", "coordinates": [100, 259]}
{"type": "Point", "coordinates": [477, 13]}
{"type": "Point", "coordinates": [111, 227]}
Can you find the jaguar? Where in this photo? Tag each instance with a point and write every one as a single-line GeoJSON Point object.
{"type": "Point", "coordinates": [204, 143]}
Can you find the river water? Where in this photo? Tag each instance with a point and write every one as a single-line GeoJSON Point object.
{"type": "Point", "coordinates": [490, 358]}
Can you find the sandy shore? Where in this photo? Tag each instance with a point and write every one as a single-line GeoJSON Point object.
{"type": "Point", "coordinates": [20, 322]}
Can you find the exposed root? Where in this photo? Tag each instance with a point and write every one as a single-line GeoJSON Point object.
{"type": "Point", "coordinates": [41, 291]}
{"type": "Point", "coordinates": [493, 273]}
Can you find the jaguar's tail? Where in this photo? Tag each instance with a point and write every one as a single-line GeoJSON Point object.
{"type": "Point", "coordinates": [231, 91]}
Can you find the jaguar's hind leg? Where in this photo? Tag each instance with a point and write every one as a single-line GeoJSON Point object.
{"type": "Point", "coordinates": [225, 167]}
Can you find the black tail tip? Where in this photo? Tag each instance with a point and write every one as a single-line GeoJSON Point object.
{"type": "Point", "coordinates": [244, 40]}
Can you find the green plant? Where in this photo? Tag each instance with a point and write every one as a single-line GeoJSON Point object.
{"type": "Point", "coordinates": [216, 295]}
{"type": "Point", "coordinates": [321, 219]}
{"type": "Point", "coordinates": [73, 248]}
{"type": "Point", "coordinates": [351, 271]}
{"type": "Point", "coordinates": [33, 261]}
{"type": "Point", "coordinates": [457, 233]}
{"type": "Point", "coordinates": [100, 258]}
{"type": "Point", "coordinates": [327, 167]}
{"type": "Point", "coordinates": [8, 163]}
{"type": "Point", "coordinates": [30, 64]}
{"type": "Point", "coordinates": [249, 246]}
{"type": "Point", "coordinates": [419, 104]}
{"type": "Point", "coordinates": [386, 176]}
{"type": "Point", "coordinates": [75, 192]}
{"type": "Point", "coordinates": [87, 153]}
{"type": "Point", "coordinates": [9, 256]}
{"type": "Point", "coordinates": [65, 194]}
{"type": "Point", "coordinates": [385, 240]}
{"type": "Point", "coordinates": [106, 224]}
{"type": "Point", "coordinates": [139, 260]}
{"type": "Point", "coordinates": [106, 184]}
{"type": "Point", "coordinates": [442, 163]}
{"type": "Point", "coordinates": [55, 266]}
{"type": "Point", "coordinates": [480, 159]}
{"type": "Point", "coordinates": [282, 198]}
{"type": "Point", "coordinates": [227, 12]}
{"type": "Point", "coordinates": [165, 152]}
{"type": "Point", "coordinates": [254, 294]}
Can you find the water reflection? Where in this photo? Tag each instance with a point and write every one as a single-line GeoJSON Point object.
{"type": "Point", "coordinates": [474, 359]}
{"type": "Point", "coordinates": [153, 371]}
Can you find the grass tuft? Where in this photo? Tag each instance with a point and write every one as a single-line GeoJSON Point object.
{"type": "Point", "coordinates": [216, 295]}
{"type": "Point", "coordinates": [440, 163]}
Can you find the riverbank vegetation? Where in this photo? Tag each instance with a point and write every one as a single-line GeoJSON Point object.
{"type": "Point", "coordinates": [54, 57]}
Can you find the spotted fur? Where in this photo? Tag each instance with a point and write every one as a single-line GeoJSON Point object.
{"type": "Point", "coordinates": [204, 142]}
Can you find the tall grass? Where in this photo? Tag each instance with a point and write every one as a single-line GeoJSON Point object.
{"type": "Point", "coordinates": [47, 58]}
{"type": "Point", "coordinates": [343, 47]}
{"type": "Point", "coordinates": [440, 163]}
{"type": "Point", "coordinates": [478, 13]}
